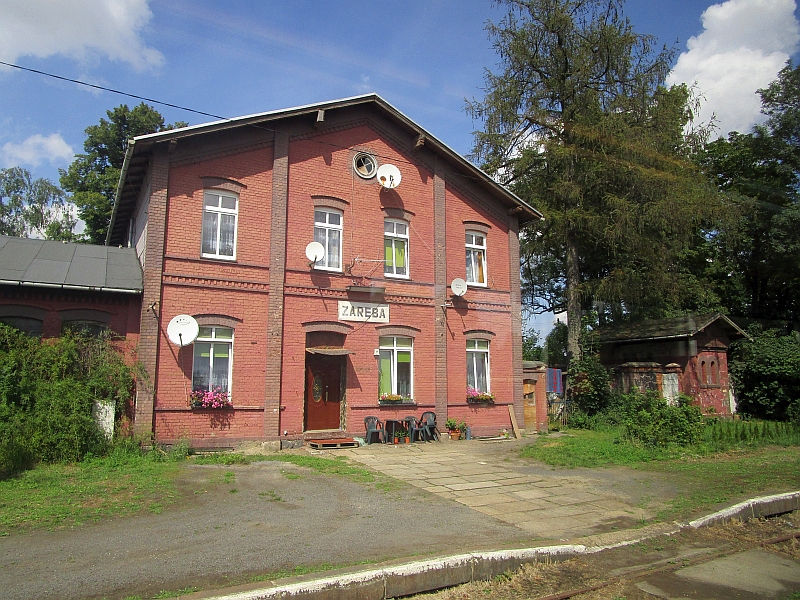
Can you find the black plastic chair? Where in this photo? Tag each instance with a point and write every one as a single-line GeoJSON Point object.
{"type": "Point", "coordinates": [374, 425]}
{"type": "Point", "coordinates": [428, 424]}
{"type": "Point", "coordinates": [415, 428]}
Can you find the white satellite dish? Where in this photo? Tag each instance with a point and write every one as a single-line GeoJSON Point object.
{"type": "Point", "coordinates": [182, 330]}
{"type": "Point", "coordinates": [459, 287]}
{"type": "Point", "coordinates": [314, 252]}
{"type": "Point", "coordinates": [389, 176]}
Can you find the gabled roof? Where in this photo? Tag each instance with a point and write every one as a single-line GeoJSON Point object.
{"type": "Point", "coordinates": [51, 264]}
{"type": "Point", "coordinates": [662, 329]}
{"type": "Point", "coordinates": [137, 155]}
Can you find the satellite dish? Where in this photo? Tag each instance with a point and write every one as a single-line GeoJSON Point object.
{"type": "Point", "coordinates": [182, 330]}
{"type": "Point", "coordinates": [389, 176]}
{"type": "Point", "coordinates": [314, 252]}
{"type": "Point", "coordinates": [459, 287]}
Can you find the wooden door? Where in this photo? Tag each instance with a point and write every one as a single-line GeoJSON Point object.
{"type": "Point", "coordinates": [323, 389]}
{"type": "Point", "coordinates": [529, 394]}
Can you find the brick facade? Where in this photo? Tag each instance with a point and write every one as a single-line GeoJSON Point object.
{"type": "Point", "coordinates": [279, 306]}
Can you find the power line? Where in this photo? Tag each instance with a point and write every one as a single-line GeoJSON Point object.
{"type": "Point", "coordinates": [105, 89]}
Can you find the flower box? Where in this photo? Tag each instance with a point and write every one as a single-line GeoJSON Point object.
{"type": "Point", "coordinates": [394, 399]}
{"type": "Point", "coordinates": [210, 399]}
{"type": "Point", "coordinates": [475, 396]}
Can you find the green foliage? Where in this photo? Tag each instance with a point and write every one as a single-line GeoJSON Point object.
{"type": "Point", "coordinates": [555, 346]}
{"type": "Point", "coordinates": [578, 123]}
{"type": "Point", "coordinates": [48, 389]}
{"type": "Point", "coordinates": [33, 207]}
{"type": "Point", "coordinates": [766, 375]}
{"type": "Point", "coordinates": [530, 348]}
{"type": "Point", "coordinates": [589, 384]}
{"type": "Point", "coordinates": [92, 177]}
{"type": "Point", "coordinates": [650, 421]}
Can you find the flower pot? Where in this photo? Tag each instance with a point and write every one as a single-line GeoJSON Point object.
{"type": "Point", "coordinates": [408, 440]}
{"type": "Point", "coordinates": [396, 440]}
{"type": "Point", "coordinates": [455, 435]}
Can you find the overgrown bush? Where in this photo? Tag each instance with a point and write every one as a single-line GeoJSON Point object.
{"type": "Point", "coordinates": [48, 389]}
{"type": "Point", "coordinates": [588, 380]}
{"type": "Point", "coordinates": [650, 421]}
{"type": "Point", "coordinates": [766, 375]}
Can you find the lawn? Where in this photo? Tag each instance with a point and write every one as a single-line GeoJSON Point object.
{"type": "Point", "coordinates": [708, 478]}
{"type": "Point", "coordinates": [127, 482]}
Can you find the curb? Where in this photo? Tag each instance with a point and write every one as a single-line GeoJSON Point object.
{"type": "Point", "coordinates": [449, 571]}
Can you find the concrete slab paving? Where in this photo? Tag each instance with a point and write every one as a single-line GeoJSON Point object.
{"type": "Point", "coordinates": [490, 478]}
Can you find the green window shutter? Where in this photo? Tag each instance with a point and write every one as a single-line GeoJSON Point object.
{"type": "Point", "coordinates": [386, 372]}
{"type": "Point", "coordinates": [388, 254]}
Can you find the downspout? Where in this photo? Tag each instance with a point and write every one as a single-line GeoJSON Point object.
{"type": "Point", "coordinates": [122, 175]}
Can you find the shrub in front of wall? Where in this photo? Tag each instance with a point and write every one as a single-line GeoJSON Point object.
{"type": "Point", "coordinates": [766, 375]}
{"type": "Point", "coordinates": [650, 421]}
{"type": "Point", "coordinates": [589, 385]}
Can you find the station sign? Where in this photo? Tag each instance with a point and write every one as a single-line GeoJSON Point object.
{"type": "Point", "coordinates": [363, 312]}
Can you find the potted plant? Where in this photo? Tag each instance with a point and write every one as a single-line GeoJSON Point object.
{"type": "Point", "coordinates": [214, 399]}
{"type": "Point", "coordinates": [454, 428]}
{"type": "Point", "coordinates": [475, 396]}
{"type": "Point", "coordinates": [400, 434]}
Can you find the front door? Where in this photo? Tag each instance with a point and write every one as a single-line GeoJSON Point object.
{"type": "Point", "coordinates": [323, 391]}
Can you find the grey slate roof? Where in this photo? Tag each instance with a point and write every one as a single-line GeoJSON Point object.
{"type": "Point", "coordinates": [45, 263]}
{"type": "Point", "coordinates": [659, 329]}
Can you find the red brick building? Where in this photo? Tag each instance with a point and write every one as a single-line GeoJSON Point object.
{"type": "Point", "coordinates": [47, 286]}
{"type": "Point", "coordinates": [687, 355]}
{"type": "Point", "coordinates": [221, 215]}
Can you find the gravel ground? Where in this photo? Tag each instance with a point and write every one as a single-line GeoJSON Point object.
{"type": "Point", "coordinates": [215, 537]}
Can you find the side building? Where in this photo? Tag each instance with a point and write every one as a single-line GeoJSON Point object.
{"type": "Point", "coordinates": [221, 216]}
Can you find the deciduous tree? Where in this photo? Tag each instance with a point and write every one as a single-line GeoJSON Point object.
{"type": "Point", "coordinates": [33, 207]}
{"type": "Point", "coordinates": [92, 177]}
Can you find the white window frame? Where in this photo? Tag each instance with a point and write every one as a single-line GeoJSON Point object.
{"type": "Point", "coordinates": [327, 227]}
{"type": "Point", "coordinates": [473, 250]}
{"type": "Point", "coordinates": [396, 238]}
{"type": "Point", "coordinates": [213, 339]}
{"type": "Point", "coordinates": [393, 348]}
{"type": "Point", "coordinates": [219, 211]}
{"type": "Point", "coordinates": [473, 353]}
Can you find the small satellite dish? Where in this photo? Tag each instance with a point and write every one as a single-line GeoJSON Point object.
{"type": "Point", "coordinates": [459, 287]}
{"type": "Point", "coordinates": [182, 330]}
{"type": "Point", "coordinates": [389, 176]}
{"type": "Point", "coordinates": [314, 252]}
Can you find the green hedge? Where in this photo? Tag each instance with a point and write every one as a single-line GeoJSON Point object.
{"type": "Point", "coordinates": [48, 389]}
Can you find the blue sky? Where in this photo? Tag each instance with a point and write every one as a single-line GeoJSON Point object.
{"type": "Point", "coordinates": [245, 56]}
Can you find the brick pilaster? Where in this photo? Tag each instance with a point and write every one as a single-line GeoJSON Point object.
{"type": "Point", "coordinates": [516, 319]}
{"type": "Point", "coordinates": [440, 290]}
{"type": "Point", "coordinates": [150, 324]}
{"type": "Point", "coordinates": [277, 273]}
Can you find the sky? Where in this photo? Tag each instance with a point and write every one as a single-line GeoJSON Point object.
{"type": "Point", "coordinates": [239, 57]}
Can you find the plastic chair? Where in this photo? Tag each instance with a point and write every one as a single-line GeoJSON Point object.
{"type": "Point", "coordinates": [374, 425]}
{"type": "Point", "coordinates": [428, 424]}
{"type": "Point", "coordinates": [415, 428]}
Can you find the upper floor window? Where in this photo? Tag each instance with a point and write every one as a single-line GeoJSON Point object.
{"type": "Point", "coordinates": [476, 258]}
{"type": "Point", "coordinates": [396, 366]}
{"type": "Point", "coordinates": [478, 365]}
{"type": "Point", "coordinates": [395, 246]}
{"type": "Point", "coordinates": [213, 360]}
{"type": "Point", "coordinates": [220, 210]}
{"type": "Point", "coordinates": [328, 232]}
{"type": "Point", "coordinates": [28, 325]}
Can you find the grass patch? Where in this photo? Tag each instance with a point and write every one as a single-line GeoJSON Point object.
{"type": "Point", "coordinates": [328, 466]}
{"type": "Point", "coordinates": [301, 570]}
{"type": "Point", "coordinates": [63, 495]}
{"type": "Point", "coordinates": [223, 458]}
{"type": "Point", "coordinates": [708, 478]}
{"type": "Point", "coordinates": [174, 594]}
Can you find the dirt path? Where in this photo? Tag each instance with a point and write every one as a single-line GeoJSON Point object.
{"type": "Point", "coordinates": [280, 516]}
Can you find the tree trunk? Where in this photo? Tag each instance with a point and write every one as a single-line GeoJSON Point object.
{"type": "Point", "coordinates": [573, 301]}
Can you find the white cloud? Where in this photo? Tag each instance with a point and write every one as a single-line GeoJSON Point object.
{"type": "Point", "coordinates": [36, 149]}
{"type": "Point", "coordinates": [78, 29]}
{"type": "Point", "coordinates": [743, 46]}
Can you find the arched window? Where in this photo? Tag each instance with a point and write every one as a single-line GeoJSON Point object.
{"type": "Point", "coordinates": [220, 211]}
{"type": "Point", "coordinates": [328, 232]}
{"type": "Point", "coordinates": [213, 359]}
{"type": "Point", "coordinates": [395, 246]}
{"type": "Point", "coordinates": [478, 365]}
{"type": "Point", "coordinates": [396, 366]}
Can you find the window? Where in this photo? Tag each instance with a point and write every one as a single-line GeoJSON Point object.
{"type": "Point", "coordinates": [365, 165]}
{"type": "Point", "coordinates": [328, 232]}
{"type": "Point", "coordinates": [396, 366]}
{"type": "Point", "coordinates": [476, 258]}
{"type": "Point", "coordinates": [213, 359]}
{"type": "Point", "coordinates": [85, 327]}
{"type": "Point", "coordinates": [478, 365]}
{"type": "Point", "coordinates": [27, 325]}
{"type": "Point", "coordinates": [220, 210]}
{"type": "Point", "coordinates": [395, 246]}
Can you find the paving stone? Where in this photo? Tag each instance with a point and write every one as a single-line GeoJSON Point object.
{"type": "Point", "coordinates": [472, 486]}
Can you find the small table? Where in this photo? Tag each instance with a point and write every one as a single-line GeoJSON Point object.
{"type": "Point", "coordinates": [390, 426]}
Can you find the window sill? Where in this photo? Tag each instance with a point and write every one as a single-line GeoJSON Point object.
{"type": "Point", "coordinates": [477, 285]}
{"type": "Point", "coordinates": [397, 403]}
{"type": "Point", "coordinates": [326, 270]}
{"type": "Point", "coordinates": [214, 257]}
{"type": "Point", "coordinates": [400, 277]}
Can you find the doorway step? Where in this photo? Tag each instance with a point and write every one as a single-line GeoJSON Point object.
{"type": "Point", "coordinates": [336, 443]}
